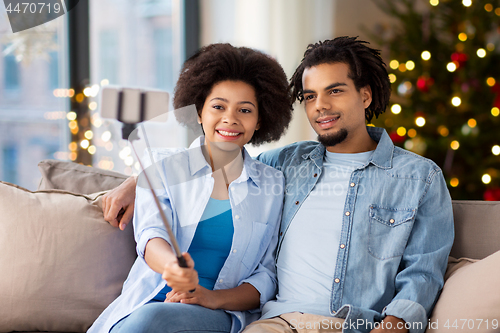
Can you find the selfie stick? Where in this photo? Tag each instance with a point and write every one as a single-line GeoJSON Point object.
{"type": "Point", "coordinates": [129, 134]}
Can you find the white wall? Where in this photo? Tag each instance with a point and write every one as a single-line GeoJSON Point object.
{"type": "Point", "coordinates": [281, 28]}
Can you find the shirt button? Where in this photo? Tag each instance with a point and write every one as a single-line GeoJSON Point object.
{"type": "Point", "coordinates": [352, 184]}
{"type": "Point", "coordinates": [237, 217]}
{"type": "Point", "coordinates": [315, 175]}
{"type": "Point", "coordinates": [234, 251]}
{"type": "Point", "coordinates": [337, 280]}
{"type": "Point", "coordinates": [220, 281]}
{"type": "Point", "coordinates": [281, 233]}
{"type": "Point", "coordinates": [391, 221]}
{"type": "Point", "coordinates": [296, 202]}
{"type": "Point", "coordinates": [342, 246]}
{"type": "Point", "coordinates": [347, 213]}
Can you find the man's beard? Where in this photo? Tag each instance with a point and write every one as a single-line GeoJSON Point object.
{"type": "Point", "coordinates": [330, 140]}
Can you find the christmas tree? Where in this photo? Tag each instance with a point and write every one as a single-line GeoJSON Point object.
{"type": "Point", "coordinates": [445, 73]}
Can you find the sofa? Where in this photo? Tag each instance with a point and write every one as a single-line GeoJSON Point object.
{"type": "Point", "coordinates": [61, 264]}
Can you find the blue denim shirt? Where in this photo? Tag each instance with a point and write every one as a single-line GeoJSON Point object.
{"type": "Point", "coordinates": [183, 183]}
{"type": "Point", "coordinates": [397, 231]}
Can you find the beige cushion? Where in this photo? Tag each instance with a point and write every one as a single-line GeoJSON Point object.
{"type": "Point", "coordinates": [470, 294]}
{"type": "Point", "coordinates": [61, 264]}
{"type": "Point", "coordinates": [76, 178]}
{"type": "Point", "coordinates": [477, 228]}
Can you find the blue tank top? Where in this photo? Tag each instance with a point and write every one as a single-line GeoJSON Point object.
{"type": "Point", "coordinates": [211, 244]}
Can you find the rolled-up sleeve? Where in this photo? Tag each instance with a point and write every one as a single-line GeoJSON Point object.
{"type": "Point", "coordinates": [148, 223]}
{"type": "Point", "coordinates": [425, 257]}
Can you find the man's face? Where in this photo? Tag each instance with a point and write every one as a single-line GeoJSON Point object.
{"type": "Point", "coordinates": [335, 109]}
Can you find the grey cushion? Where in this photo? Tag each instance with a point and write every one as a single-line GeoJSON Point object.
{"type": "Point", "coordinates": [76, 178]}
{"type": "Point", "coordinates": [477, 228]}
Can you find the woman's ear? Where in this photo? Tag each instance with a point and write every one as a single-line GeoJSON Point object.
{"type": "Point", "coordinates": [199, 119]}
{"type": "Point", "coordinates": [257, 126]}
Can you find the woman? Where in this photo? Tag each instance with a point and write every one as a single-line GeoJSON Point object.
{"type": "Point", "coordinates": [222, 204]}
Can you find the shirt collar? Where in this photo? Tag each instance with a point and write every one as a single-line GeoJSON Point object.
{"type": "Point", "coordinates": [197, 162]}
{"type": "Point", "coordinates": [382, 156]}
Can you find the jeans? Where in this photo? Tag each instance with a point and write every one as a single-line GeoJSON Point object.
{"type": "Point", "coordinates": [174, 318]}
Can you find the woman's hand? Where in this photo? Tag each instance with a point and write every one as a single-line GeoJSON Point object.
{"type": "Point", "coordinates": [201, 296]}
{"type": "Point", "coordinates": [181, 279]}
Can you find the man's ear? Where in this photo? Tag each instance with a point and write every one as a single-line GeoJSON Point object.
{"type": "Point", "coordinates": [366, 94]}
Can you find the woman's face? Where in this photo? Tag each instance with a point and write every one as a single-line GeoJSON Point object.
{"type": "Point", "coordinates": [230, 113]}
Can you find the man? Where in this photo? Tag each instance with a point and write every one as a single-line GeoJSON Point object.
{"type": "Point", "coordinates": [367, 227]}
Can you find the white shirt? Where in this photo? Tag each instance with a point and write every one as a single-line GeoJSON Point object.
{"type": "Point", "coordinates": [307, 258]}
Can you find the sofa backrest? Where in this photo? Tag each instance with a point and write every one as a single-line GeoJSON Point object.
{"type": "Point", "coordinates": [477, 228]}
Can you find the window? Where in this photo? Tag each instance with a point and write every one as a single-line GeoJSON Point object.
{"type": "Point", "coordinates": [164, 59]}
{"type": "Point", "coordinates": [11, 72]}
{"type": "Point", "coordinates": [33, 99]}
{"type": "Point", "coordinates": [140, 45]}
{"type": "Point", "coordinates": [10, 164]}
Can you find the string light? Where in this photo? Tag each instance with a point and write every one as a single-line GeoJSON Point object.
{"type": "Point", "coordinates": [481, 53]}
{"type": "Point", "coordinates": [410, 65]}
{"type": "Point", "coordinates": [89, 134]}
{"type": "Point", "coordinates": [486, 178]}
{"type": "Point", "coordinates": [472, 123]}
{"type": "Point", "coordinates": [462, 36]}
{"type": "Point", "coordinates": [412, 133]}
{"type": "Point", "coordinates": [467, 3]}
{"type": "Point", "coordinates": [73, 146]}
{"type": "Point", "coordinates": [451, 67]}
{"type": "Point", "coordinates": [71, 115]}
{"type": "Point", "coordinates": [92, 150]}
{"type": "Point", "coordinates": [392, 78]}
{"type": "Point", "coordinates": [434, 2]}
{"type": "Point", "coordinates": [456, 101]}
{"type": "Point", "coordinates": [491, 81]}
{"type": "Point", "coordinates": [104, 82]}
{"type": "Point", "coordinates": [443, 131]}
{"type": "Point", "coordinates": [401, 131]}
{"type": "Point", "coordinates": [455, 145]}
{"type": "Point", "coordinates": [396, 109]}
{"type": "Point", "coordinates": [495, 150]}
{"type": "Point", "coordinates": [495, 112]}
{"type": "Point", "coordinates": [497, 11]}
{"type": "Point", "coordinates": [454, 182]}
{"type": "Point", "coordinates": [84, 144]}
{"type": "Point", "coordinates": [79, 97]}
{"type": "Point", "coordinates": [402, 68]}
{"type": "Point", "coordinates": [92, 106]}
{"type": "Point", "coordinates": [490, 47]}
{"type": "Point", "coordinates": [394, 64]}
{"type": "Point", "coordinates": [420, 121]}
{"type": "Point", "coordinates": [106, 136]}
{"type": "Point", "coordinates": [426, 55]}
{"type": "Point", "coordinates": [488, 7]}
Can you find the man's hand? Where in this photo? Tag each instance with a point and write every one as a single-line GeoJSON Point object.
{"type": "Point", "coordinates": [118, 204]}
{"type": "Point", "coordinates": [391, 324]}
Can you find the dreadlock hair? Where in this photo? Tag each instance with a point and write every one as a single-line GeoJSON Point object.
{"type": "Point", "coordinates": [366, 68]}
{"type": "Point", "coordinates": [223, 62]}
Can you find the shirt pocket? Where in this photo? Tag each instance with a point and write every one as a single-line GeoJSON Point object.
{"type": "Point", "coordinates": [389, 231]}
{"type": "Point", "coordinates": [256, 245]}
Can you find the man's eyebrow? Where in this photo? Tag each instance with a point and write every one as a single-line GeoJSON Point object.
{"type": "Point", "coordinates": [335, 85]}
{"type": "Point", "coordinates": [331, 86]}
{"type": "Point", "coordinates": [226, 101]}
